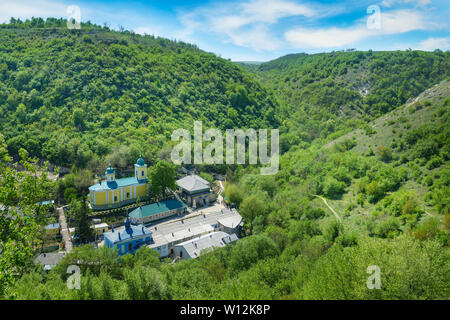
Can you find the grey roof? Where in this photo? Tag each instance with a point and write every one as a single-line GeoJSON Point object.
{"type": "Point", "coordinates": [49, 259]}
{"type": "Point", "coordinates": [230, 221]}
{"type": "Point", "coordinates": [182, 230]}
{"type": "Point", "coordinates": [193, 183]}
{"type": "Point", "coordinates": [216, 239]}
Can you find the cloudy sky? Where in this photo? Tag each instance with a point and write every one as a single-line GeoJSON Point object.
{"type": "Point", "coordinates": [260, 30]}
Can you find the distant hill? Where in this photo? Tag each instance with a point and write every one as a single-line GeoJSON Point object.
{"type": "Point", "coordinates": [390, 129]}
{"type": "Point", "coordinates": [325, 95]}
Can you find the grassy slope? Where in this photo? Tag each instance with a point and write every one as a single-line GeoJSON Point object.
{"type": "Point", "coordinates": [389, 127]}
{"type": "Point", "coordinates": [328, 94]}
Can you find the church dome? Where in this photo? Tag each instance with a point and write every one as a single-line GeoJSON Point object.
{"type": "Point", "coordinates": [110, 170]}
{"type": "Point", "coordinates": [140, 161]}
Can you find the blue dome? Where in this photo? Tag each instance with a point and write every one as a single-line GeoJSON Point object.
{"type": "Point", "coordinates": [140, 162]}
{"type": "Point", "coordinates": [110, 170]}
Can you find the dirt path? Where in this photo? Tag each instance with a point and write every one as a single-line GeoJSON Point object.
{"type": "Point", "coordinates": [64, 230]}
{"type": "Point", "coordinates": [331, 209]}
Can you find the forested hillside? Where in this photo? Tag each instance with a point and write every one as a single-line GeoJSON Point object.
{"type": "Point", "coordinates": [325, 95]}
{"type": "Point", "coordinates": [74, 96]}
{"type": "Point", "coordinates": [364, 173]}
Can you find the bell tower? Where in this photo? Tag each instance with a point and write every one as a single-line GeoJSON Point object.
{"type": "Point", "coordinates": [140, 169]}
{"type": "Point", "coordinates": [110, 174]}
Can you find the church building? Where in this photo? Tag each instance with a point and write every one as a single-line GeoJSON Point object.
{"type": "Point", "coordinates": [114, 193]}
{"type": "Point", "coordinates": [127, 239]}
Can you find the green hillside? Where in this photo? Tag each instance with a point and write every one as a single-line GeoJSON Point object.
{"type": "Point", "coordinates": [325, 95]}
{"type": "Point", "coordinates": [364, 175]}
{"type": "Point", "coordinates": [413, 138]}
{"type": "Point", "coordinates": [74, 96]}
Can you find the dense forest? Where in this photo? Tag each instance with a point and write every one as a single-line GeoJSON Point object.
{"type": "Point", "coordinates": [364, 173]}
{"type": "Point", "coordinates": [326, 95]}
{"type": "Point", "coordinates": [75, 96]}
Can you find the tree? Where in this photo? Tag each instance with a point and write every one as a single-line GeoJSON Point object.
{"type": "Point", "coordinates": [383, 153]}
{"type": "Point", "coordinates": [342, 272]}
{"type": "Point", "coordinates": [251, 249]}
{"type": "Point", "coordinates": [144, 283]}
{"type": "Point", "coordinates": [83, 180]}
{"type": "Point", "coordinates": [233, 194]}
{"type": "Point", "coordinates": [252, 207]}
{"type": "Point", "coordinates": [83, 229]}
{"type": "Point", "coordinates": [19, 193]}
{"type": "Point", "coordinates": [162, 177]}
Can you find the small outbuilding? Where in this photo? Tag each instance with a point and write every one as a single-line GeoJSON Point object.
{"type": "Point", "coordinates": [127, 239]}
{"type": "Point", "coordinates": [49, 260]}
{"type": "Point", "coordinates": [196, 190]}
{"type": "Point", "coordinates": [157, 211]}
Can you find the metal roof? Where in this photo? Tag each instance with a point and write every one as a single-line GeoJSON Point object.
{"type": "Point", "coordinates": [230, 222]}
{"type": "Point", "coordinates": [101, 225]}
{"type": "Point", "coordinates": [182, 230]}
{"type": "Point", "coordinates": [193, 183]}
{"type": "Point", "coordinates": [109, 170]}
{"type": "Point", "coordinates": [155, 208]}
{"type": "Point", "coordinates": [126, 233]}
{"type": "Point", "coordinates": [215, 239]}
{"type": "Point", "coordinates": [140, 161]}
{"type": "Point", "coordinates": [51, 259]}
{"type": "Point", "coordinates": [52, 226]}
{"type": "Point", "coordinates": [122, 182]}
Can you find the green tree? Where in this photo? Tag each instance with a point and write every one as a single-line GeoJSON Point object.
{"type": "Point", "coordinates": [83, 229]}
{"type": "Point", "coordinates": [162, 177]}
{"type": "Point", "coordinates": [233, 194]}
{"type": "Point", "coordinates": [19, 193]}
{"type": "Point", "coordinates": [252, 207]}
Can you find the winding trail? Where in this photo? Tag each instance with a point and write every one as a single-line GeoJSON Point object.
{"type": "Point", "coordinates": [331, 209]}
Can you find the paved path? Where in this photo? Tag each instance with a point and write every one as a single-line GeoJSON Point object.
{"type": "Point", "coordinates": [331, 209]}
{"type": "Point", "coordinates": [64, 230]}
{"type": "Point", "coordinates": [219, 197]}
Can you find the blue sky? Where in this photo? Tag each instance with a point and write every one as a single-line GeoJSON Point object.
{"type": "Point", "coordinates": [261, 30]}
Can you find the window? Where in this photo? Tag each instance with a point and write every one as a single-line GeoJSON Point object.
{"type": "Point", "coordinates": [129, 247]}
{"type": "Point", "coordinates": [128, 195]}
{"type": "Point", "coordinates": [142, 172]}
{"type": "Point", "coordinates": [115, 198]}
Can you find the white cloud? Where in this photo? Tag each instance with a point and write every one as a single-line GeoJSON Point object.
{"type": "Point", "coordinates": [245, 24]}
{"type": "Point", "coordinates": [150, 30]}
{"type": "Point", "coordinates": [417, 3]}
{"type": "Point", "coordinates": [431, 44]}
{"type": "Point", "coordinates": [401, 21]}
{"type": "Point", "coordinates": [394, 22]}
{"type": "Point", "coordinates": [26, 9]}
{"type": "Point", "coordinates": [324, 38]}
